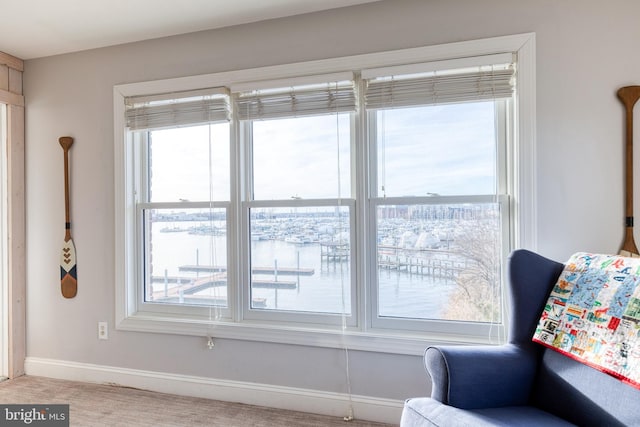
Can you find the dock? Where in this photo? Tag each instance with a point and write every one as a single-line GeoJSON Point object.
{"type": "Point", "coordinates": [333, 251]}
{"type": "Point", "coordinates": [192, 285]}
{"type": "Point", "coordinates": [188, 287]}
{"type": "Point", "coordinates": [443, 268]}
{"type": "Point", "coordinates": [284, 271]}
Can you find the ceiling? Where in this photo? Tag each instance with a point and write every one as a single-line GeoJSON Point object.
{"type": "Point", "coordinates": [36, 28]}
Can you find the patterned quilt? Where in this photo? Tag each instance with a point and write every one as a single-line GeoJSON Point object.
{"type": "Point", "coordinates": [593, 314]}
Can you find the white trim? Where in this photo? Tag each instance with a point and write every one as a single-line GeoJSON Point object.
{"type": "Point", "coordinates": [198, 93]}
{"type": "Point", "coordinates": [4, 247]}
{"type": "Point", "coordinates": [450, 64]}
{"type": "Point", "coordinates": [123, 208]}
{"type": "Point", "coordinates": [525, 122]}
{"type": "Point", "coordinates": [375, 340]}
{"type": "Point", "coordinates": [285, 83]}
{"type": "Point", "coordinates": [289, 398]}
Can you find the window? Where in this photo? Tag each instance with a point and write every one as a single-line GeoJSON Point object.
{"type": "Point", "coordinates": [181, 152]}
{"type": "Point", "coordinates": [184, 214]}
{"type": "Point", "coordinates": [439, 193]}
{"type": "Point", "coordinates": [377, 204]}
{"type": "Point", "coordinates": [298, 142]}
{"type": "Point", "coordinates": [296, 213]}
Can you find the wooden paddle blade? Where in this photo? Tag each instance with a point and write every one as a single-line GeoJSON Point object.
{"type": "Point", "coordinates": [629, 248]}
{"type": "Point", "coordinates": [629, 95]}
{"type": "Point", "coordinates": [66, 142]}
{"type": "Point", "coordinates": [68, 275]}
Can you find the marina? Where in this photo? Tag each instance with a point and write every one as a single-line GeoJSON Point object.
{"type": "Point", "coordinates": [302, 261]}
{"type": "Point", "coordinates": [207, 284]}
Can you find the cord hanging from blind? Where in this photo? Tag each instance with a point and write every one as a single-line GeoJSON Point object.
{"type": "Point", "coordinates": [479, 83]}
{"type": "Point", "coordinates": [177, 109]}
{"type": "Point", "coordinates": [328, 94]}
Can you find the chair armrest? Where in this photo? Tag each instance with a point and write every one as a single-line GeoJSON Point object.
{"type": "Point", "coordinates": [477, 377]}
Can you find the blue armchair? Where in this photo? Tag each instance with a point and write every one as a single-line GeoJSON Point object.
{"type": "Point", "coordinates": [520, 383]}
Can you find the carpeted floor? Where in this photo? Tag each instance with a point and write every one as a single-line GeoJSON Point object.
{"type": "Point", "coordinates": [104, 405]}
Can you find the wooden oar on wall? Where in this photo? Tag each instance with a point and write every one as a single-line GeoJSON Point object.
{"type": "Point", "coordinates": [629, 95]}
{"type": "Point", "coordinates": [68, 275]}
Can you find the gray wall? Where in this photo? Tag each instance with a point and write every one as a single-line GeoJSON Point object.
{"type": "Point", "coordinates": [586, 49]}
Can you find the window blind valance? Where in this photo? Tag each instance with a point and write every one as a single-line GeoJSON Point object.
{"type": "Point", "coordinates": [440, 87]}
{"type": "Point", "coordinates": [307, 98]}
{"type": "Point", "coordinates": [177, 109]}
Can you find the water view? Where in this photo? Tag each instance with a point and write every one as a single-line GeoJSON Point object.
{"type": "Point", "coordinates": [301, 260]}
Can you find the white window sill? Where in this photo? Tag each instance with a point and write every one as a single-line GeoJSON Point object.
{"type": "Point", "coordinates": [381, 341]}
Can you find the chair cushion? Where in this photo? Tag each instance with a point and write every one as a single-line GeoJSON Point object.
{"type": "Point", "coordinates": [429, 412]}
{"type": "Point", "coordinates": [583, 395]}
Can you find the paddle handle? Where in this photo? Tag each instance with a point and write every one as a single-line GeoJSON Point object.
{"type": "Point", "coordinates": [66, 142]}
{"type": "Point", "coordinates": [629, 164]}
{"type": "Point", "coordinates": [629, 95]}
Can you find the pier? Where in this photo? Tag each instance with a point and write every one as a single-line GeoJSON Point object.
{"type": "Point", "coordinates": [187, 288]}
{"type": "Point", "coordinates": [333, 251]}
{"type": "Point", "coordinates": [402, 260]}
{"type": "Point", "coordinates": [425, 262]}
{"type": "Point", "coordinates": [191, 285]}
{"type": "Point", "coordinates": [284, 271]}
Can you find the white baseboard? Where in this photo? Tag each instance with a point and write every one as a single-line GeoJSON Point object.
{"type": "Point", "coordinates": [296, 399]}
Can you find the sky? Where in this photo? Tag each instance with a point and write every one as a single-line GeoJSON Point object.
{"type": "Point", "coordinates": [442, 149]}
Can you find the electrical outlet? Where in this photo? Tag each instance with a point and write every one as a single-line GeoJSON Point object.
{"type": "Point", "coordinates": [103, 331]}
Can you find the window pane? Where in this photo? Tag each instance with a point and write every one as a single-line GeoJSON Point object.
{"type": "Point", "coordinates": [300, 259]}
{"type": "Point", "coordinates": [186, 256]}
{"type": "Point", "coordinates": [437, 150]}
{"type": "Point", "coordinates": [305, 157]}
{"type": "Point", "coordinates": [180, 161]}
{"type": "Point", "coordinates": [439, 262]}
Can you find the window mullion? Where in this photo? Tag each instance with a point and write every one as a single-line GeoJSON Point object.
{"type": "Point", "coordinates": [363, 239]}
{"type": "Point", "coordinates": [369, 191]}
{"type": "Point", "coordinates": [502, 136]}
{"type": "Point", "coordinates": [140, 144]}
{"type": "Point", "coordinates": [243, 194]}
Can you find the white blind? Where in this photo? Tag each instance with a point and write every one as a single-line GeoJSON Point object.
{"type": "Point", "coordinates": [440, 87]}
{"type": "Point", "coordinates": [329, 96]}
{"type": "Point", "coordinates": [177, 109]}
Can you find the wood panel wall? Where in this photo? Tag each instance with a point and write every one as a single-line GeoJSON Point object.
{"type": "Point", "coordinates": [11, 69]}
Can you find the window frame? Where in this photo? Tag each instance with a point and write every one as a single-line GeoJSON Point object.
{"type": "Point", "coordinates": [366, 336]}
{"type": "Point", "coordinates": [503, 135]}
{"type": "Point", "coordinates": [248, 202]}
{"type": "Point", "coordinates": [140, 149]}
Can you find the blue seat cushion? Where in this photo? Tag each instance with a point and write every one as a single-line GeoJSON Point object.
{"type": "Point", "coordinates": [429, 412]}
{"type": "Point", "coordinates": [584, 395]}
